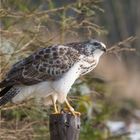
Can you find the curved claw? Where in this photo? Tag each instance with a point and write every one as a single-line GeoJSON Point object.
{"type": "Point", "coordinates": [71, 109]}
{"type": "Point", "coordinates": [75, 113]}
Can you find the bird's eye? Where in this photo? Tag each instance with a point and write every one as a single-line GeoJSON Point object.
{"type": "Point", "coordinates": [96, 43]}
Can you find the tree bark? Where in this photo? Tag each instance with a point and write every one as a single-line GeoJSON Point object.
{"type": "Point", "coordinates": [64, 127]}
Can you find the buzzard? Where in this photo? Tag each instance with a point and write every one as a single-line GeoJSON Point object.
{"type": "Point", "coordinates": [50, 72]}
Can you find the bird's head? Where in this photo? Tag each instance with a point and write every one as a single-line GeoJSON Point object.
{"type": "Point", "coordinates": [94, 47]}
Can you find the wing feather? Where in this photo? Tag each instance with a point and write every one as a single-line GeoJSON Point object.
{"type": "Point", "coordinates": [45, 64]}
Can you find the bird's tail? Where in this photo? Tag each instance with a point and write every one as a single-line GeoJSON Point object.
{"type": "Point", "coordinates": [7, 94]}
{"type": "Point", "coordinates": [4, 90]}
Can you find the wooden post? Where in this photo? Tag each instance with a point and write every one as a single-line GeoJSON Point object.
{"type": "Point", "coordinates": [64, 127]}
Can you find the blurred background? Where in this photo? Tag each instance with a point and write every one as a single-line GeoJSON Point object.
{"type": "Point", "coordinates": [108, 97]}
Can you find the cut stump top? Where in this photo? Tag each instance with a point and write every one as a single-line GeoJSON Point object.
{"type": "Point", "coordinates": [64, 127]}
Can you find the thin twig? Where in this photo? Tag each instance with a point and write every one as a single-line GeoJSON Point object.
{"type": "Point", "coordinates": [122, 46]}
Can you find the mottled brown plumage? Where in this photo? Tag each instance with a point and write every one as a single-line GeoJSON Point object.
{"type": "Point", "coordinates": [50, 72]}
{"type": "Point", "coordinates": [45, 64]}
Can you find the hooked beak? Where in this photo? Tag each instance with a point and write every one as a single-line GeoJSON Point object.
{"type": "Point", "coordinates": [103, 47]}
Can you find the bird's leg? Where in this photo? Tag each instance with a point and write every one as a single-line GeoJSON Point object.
{"type": "Point", "coordinates": [54, 105]}
{"type": "Point", "coordinates": [71, 109]}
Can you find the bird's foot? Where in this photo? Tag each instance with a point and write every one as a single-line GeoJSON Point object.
{"type": "Point", "coordinates": [76, 113]}
{"type": "Point", "coordinates": [56, 111]}
{"type": "Point", "coordinates": [71, 109]}
{"type": "Point", "coordinates": [73, 112]}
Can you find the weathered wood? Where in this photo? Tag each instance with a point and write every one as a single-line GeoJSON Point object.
{"type": "Point", "coordinates": [64, 127]}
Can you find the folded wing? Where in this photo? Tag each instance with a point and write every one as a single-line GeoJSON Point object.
{"type": "Point", "coordinates": [45, 64]}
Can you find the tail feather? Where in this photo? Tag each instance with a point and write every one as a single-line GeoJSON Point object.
{"type": "Point", "coordinates": [5, 90]}
{"type": "Point", "coordinates": [12, 92]}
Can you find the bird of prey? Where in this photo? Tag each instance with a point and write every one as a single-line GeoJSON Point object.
{"type": "Point", "coordinates": [50, 72]}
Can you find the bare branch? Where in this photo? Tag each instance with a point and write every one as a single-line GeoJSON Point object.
{"type": "Point", "coordinates": [122, 46]}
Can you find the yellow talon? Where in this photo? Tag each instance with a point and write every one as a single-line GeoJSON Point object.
{"type": "Point", "coordinates": [71, 109]}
